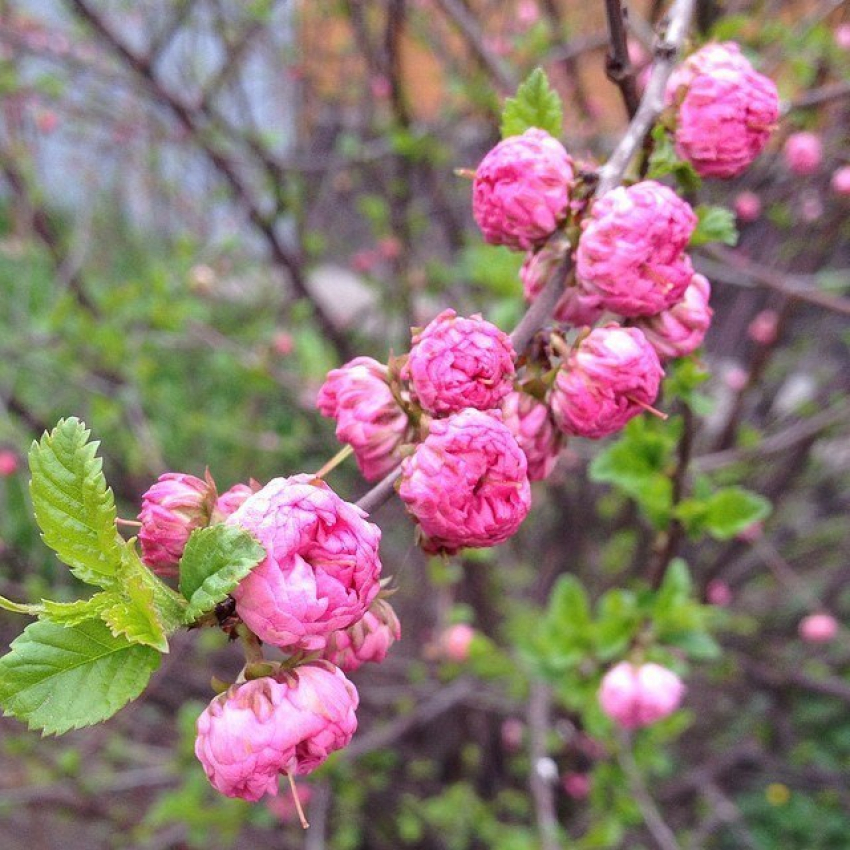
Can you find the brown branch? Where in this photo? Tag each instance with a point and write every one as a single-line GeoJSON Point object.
{"type": "Point", "coordinates": [618, 66]}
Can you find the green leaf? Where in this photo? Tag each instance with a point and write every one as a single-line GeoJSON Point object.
{"type": "Point", "coordinates": [730, 510]}
{"type": "Point", "coordinates": [67, 613]}
{"type": "Point", "coordinates": [663, 161]}
{"type": "Point", "coordinates": [73, 506]}
{"type": "Point", "coordinates": [536, 105]}
{"type": "Point", "coordinates": [569, 605]}
{"type": "Point", "coordinates": [215, 560]}
{"type": "Point", "coordinates": [715, 224]}
{"type": "Point", "coordinates": [58, 678]}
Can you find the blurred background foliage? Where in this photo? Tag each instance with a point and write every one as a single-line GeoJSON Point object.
{"type": "Point", "coordinates": [208, 204]}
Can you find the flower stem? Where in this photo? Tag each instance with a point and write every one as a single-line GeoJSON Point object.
{"type": "Point", "coordinates": [297, 801]}
{"type": "Point", "coordinates": [334, 462]}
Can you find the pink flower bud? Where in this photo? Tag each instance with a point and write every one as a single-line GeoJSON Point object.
{"type": "Point", "coordinates": [803, 153]}
{"type": "Point", "coordinates": [725, 120]}
{"type": "Point", "coordinates": [608, 379]}
{"type": "Point", "coordinates": [712, 57]}
{"type": "Point", "coordinates": [576, 785]}
{"type": "Point", "coordinates": [256, 731]}
{"type": "Point", "coordinates": [321, 569]}
{"type": "Point", "coordinates": [171, 510]}
{"type": "Point", "coordinates": [631, 253]}
{"type": "Point", "coordinates": [531, 423]}
{"type": "Point", "coordinates": [681, 330]}
{"type": "Point", "coordinates": [764, 328]}
{"type": "Point", "coordinates": [635, 696]}
{"type": "Point", "coordinates": [466, 483]}
{"type": "Point", "coordinates": [841, 35]}
{"type": "Point", "coordinates": [8, 463]}
{"type": "Point", "coordinates": [521, 190]}
{"type": "Point", "coordinates": [747, 206]}
{"type": "Point", "coordinates": [718, 593]}
{"type": "Point", "coordinates": [233, 499]}
{"type": "Point", "coordinates": [818, 628]}
{"type": "Point", "coordinates": [457, 363]}
{"type": "Point", "coordinates": [455, 642]}
{"type": "Point", "coordinates": [736, 378]}
{"type": "Point", "coordinates": [368, 416]}
{"type": "Point", "coordinates": [283, 344]}
{"type": "Point", "coordinates": [512, 733]}
{"type": "Point", "coordinates": [841, 177]}
{"type": "Point", "coordinates": [369, 639]}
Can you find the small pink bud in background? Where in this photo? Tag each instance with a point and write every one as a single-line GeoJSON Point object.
{"type": "Point", "coordinates": [321, 571]}
{"type": "Point", "coordinates": [841, 35]}
{"type": "Point", "coordinates": [466, 483]}
{"type": "Point", "coordinates": [171, 510]}
{"type": "Point", "coordinates": [46, 120]}
{"type": "Point", "coordinates": [751, 533]}
{"type": "Point", "coordinates": [512, 733]}
{"type": "Point", "coordinates": [747, 206]}
{"type": "Point", "coordinates": [803, 153]}
{"type": "Point", "coordinates": [681, 329]}
{"type": "Point", "coordinates": [718, 593]}
{"type": "Point", "coordinates": [380, 87]}
{"type": "Point", "coordinates": [818, 628]}
{"type": "Point", "coordinates": [811, 208]}
{"type": "Point", "coordinates": [531, 423]}
{"type": "Point", "coordinates": [254, 732]}
{"type": "Point", "coordinates": [368, 416]}
{"type": "Point", "coordinates": [631, 256]}
{"type": "Point", "coordinates": [365, 260]}
{"type": "Point", "coordinates": [528, 12]}
{"type": "Point", "coordinates": [576, 785]}
{"type": "Point", "coordinates": [283, 344]}
{"type": "Point", "coordinates": [736, 378]}
{"type": "Point", "coordinates": [841, 178]}
{"type": "Point", "coordinates": [455, 642]}
{"type": "Point", "coordinates": [369, 639]}
{"type": "Point", "coordinates": [609, 378]}
{"type": "Point", "coordinates": [764, 328]}
{"type": "Point", "coordinates": [521, 190]}
{"type": "Point", "coordinates": [389, 247]}
{"type": "Point", "coordinates": [636, 696]}
{"type": "Point", "coordinates": [9, 463]}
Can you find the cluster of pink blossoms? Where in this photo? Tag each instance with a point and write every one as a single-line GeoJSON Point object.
{"type": "Point", "coordinates": [314, 594]}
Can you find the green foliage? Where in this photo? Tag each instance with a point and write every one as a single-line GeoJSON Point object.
{"type": "Point", "coordinates": [663, 161]}
{"type": "Point", "coordinates": [714, 224]}
{"type": "Point", "coordinates": [215, 560]}
{"type": "Point", "coordinates": [724, 513]}
{"type": "Point", "coordinates": [58, 678]}
{"type": "Point", "coordinates": [536, 105]}
{"type": "Point", "coordinates": [73, 506]}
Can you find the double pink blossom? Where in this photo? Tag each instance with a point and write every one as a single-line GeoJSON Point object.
{"type": "Point", "coordinates": [521, 191]}
{"type": "Point", "coordinates": [321, 571]}
{"type": "Point", "coordinates": [466, 483]}
{"type": "Point", "coordinates": [369, 639]}
{"type": "Point", "coordinates": [681, 329]}
{"type": "Point", "coordinates": [458, 362]}
{"type": "Point", "coordinates": [638, 695]}
{"type": "Point", "coordinates": [368, 415]}
{"type": "Point", "coordinates": [233, 499]}
{"type": "Point", "coordinates": [171, 510]}
{"type": "Point", "coordinates": [609, 378]}
{"type": "Point", "coordinates": [630, 257]}
{"type": "Point", "coordinates": [531, 423]}
{"type": "Point", "coordinates": [256, 731]}
{"type": "Point", "coordinates": [709, 59]}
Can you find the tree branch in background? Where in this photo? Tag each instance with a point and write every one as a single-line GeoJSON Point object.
{"type": "Point", "coordinates": [618, 65]}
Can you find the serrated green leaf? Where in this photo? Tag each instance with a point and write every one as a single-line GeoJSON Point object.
{"type": "Point", "coordinates": [73, 506]}
{"type": "Point", "coordinates": [730, 510]}
{"type": "Point", "coordinates": [714, 224]}
{"type": "Point", "coordinates": [58, 678]}
{"type": "Point", "coordinates": [536, 105]}
{"type": "Point", "coordinates": [68, 613]}
{"type": "Point", "coordinates": [215, 560]}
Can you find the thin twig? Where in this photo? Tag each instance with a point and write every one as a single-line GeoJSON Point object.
{"type": "Point", "coordinates": [618, 66]}
{"type": "Point", "coordinates": [542, 792]}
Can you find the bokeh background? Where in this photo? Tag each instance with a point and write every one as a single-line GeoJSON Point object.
{"type": "Point", "coordinates": [207, 204]}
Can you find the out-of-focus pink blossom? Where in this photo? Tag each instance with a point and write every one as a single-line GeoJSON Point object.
{"type": "Point", "coordinates": [631, 253]}
{"type": "Point", "coordinates": [736, 378]}
{"type": "Point", "coordinates": [9, 463]}
{"type": "Point", "coordinates": [455, 642]}
{"type": "Point", "coordinates": [811, 207]}
{"type": "Point", "coordinates": [321, 571]}
{"type": "Point", "coordinates": [764, 328]}
{"type": "Point", "coordinates": [368, 415]}
{"type": "Point", "coordinates": [171, 510]}
{"type": "Point", "coordinates": [467, 482]}
{"type": "Point", "coordinates": [747, 206]}
{"type": "Point", "coordinates": [710, 58]}
{"type": "Point", "coordinates": [803, 153]}
{"type": "Point", "coordinates": [725, 120]}
{"type": "Point", "coordinates": [521, 190]}
{"type": "Point", "coordinates": [283, 343]}
{"type": "Point", "coordinates": [46, 120]}
{"type": "Point", "coordinates": [818, 628]}
{"type": "Point", "coordinates": [841, 36]}
{"type": "Point", "coordinates": [458, 362]}
{"type": "Point", "coordinates": [681, 330]}
{"type": "Point", "coordinates": [576, 785]}
{"type": "Point", "coordinates": [512, 733]}
{"type": "Point", "coordinates": [638, 695]}
{"type": "Point", "coordinates": [253, 732]}
{"type": "Point", "coordinates": [840, 182]}
{"type": "Point", "coordinates": [369, 639]}
{"type": "Point", "coordinates": [531, 423]}
{"type": "Point", "coordinates": [389, 247]}
{"type": "Point", "coordinates": [718, 593]}
{"type": "Point", "coordinates": [380, 87]}
{"type": "Point", "coordinates": [609, 378]}
{"type": "Point", "coordinates": [528, 12]}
